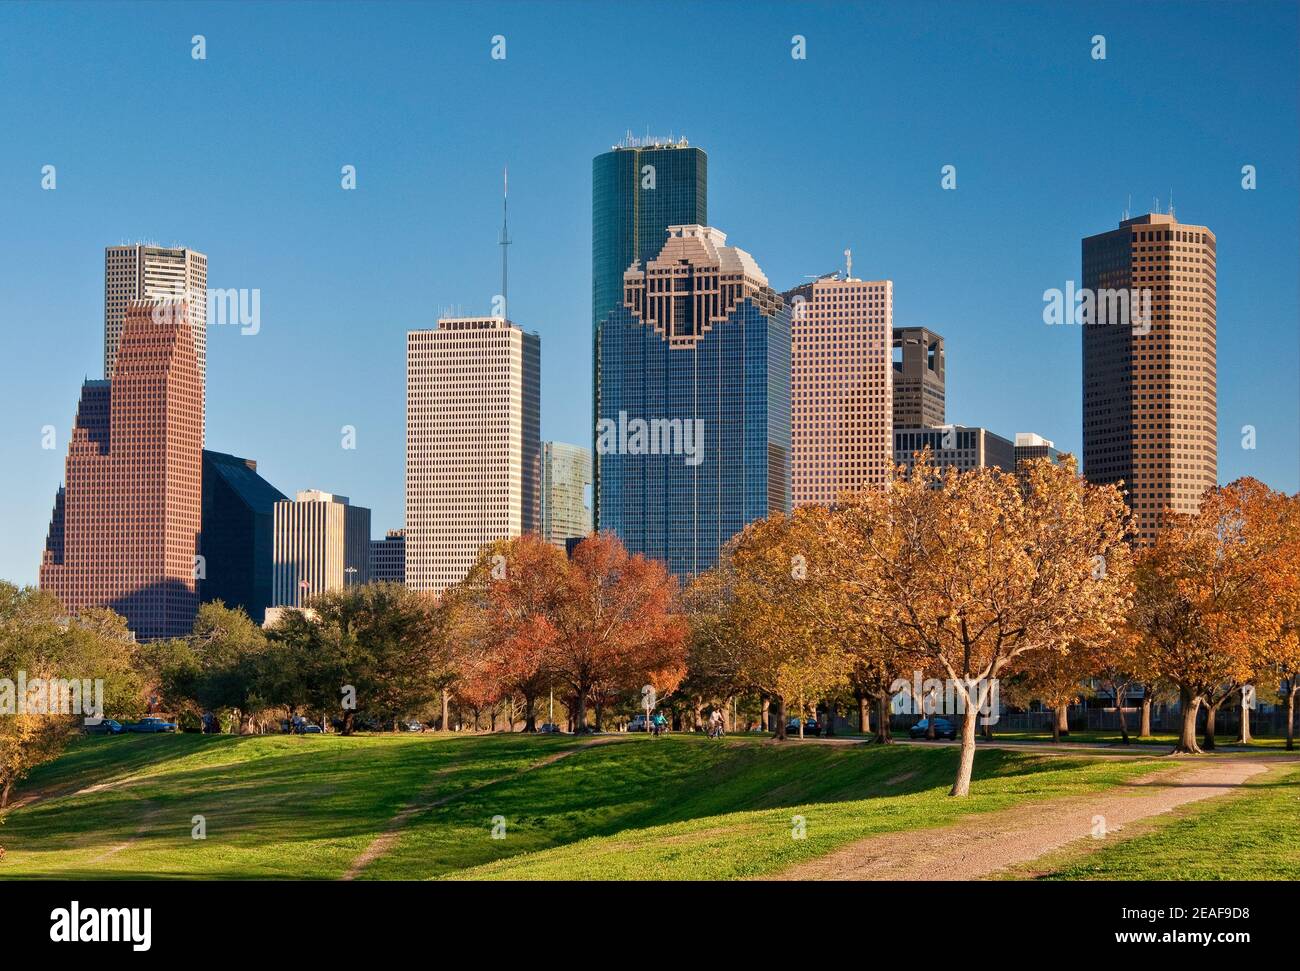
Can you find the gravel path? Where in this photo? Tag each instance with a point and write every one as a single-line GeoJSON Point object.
{"type": "Point", "coordinates": [979, 846]}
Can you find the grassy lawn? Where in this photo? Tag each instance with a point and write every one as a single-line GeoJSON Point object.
{"type": "Point", "coordinates": [677, 807]}
{"type": "Point", "coordinates": [1158, 740]}
{"type": "Point", "coordinates": [1251, 836]}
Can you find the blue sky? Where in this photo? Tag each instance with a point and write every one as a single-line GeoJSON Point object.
{"type": "Point", "coordinates": [239, 156]}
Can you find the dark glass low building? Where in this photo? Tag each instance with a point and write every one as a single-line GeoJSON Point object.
{"type": "Point", "coordinates": [238, 521]}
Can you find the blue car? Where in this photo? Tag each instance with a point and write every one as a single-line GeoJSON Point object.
{"type": "Point", "coordinates": [102, 726]}
{"type": "Point", "coordinates": [151, 725]}
{"type": "Point", "coordinates": [942, 728]}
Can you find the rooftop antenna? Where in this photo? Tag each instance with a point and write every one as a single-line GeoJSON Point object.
{"type": "Point", "coordinates": [848, 264]}
{"type": "Point", "coordinates": [1171, 203]}
{"type": "Point", "coordinates": [1128, 207]}
{"type": "Point", "coordinates": [505, 235]}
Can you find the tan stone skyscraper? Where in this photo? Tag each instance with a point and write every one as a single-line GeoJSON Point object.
{"type": "Point", "coordinates": [473, 444]}
{"type": "Point", "coordinates": [1150, 411]}
{"type": "Point", "coordinates": [142, 272]}
{"type": "Point", "coordinates": [841, 387]}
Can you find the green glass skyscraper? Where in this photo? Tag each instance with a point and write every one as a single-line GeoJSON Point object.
{"type": "Point", "coordinates": [638, 189]}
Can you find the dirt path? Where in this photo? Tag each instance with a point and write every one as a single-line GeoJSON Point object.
{"type": "Point", "coordinates": [424, 801]}
{"type": "Point", "coordinates": [978, 846]}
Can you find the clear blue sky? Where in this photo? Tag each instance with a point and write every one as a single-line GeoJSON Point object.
{"type": "Point", "coordinates": [239, 156]}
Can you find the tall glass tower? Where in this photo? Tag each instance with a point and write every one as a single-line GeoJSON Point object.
{"type": "Point", "coordinates": [638, 189]}
{"type": "Point", "coordinates": [693, 423]}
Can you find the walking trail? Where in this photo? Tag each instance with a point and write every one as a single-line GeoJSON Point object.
{"type": "Point", "coordinates": [423, 801]}
{"type": "Point", "coordinates": [979, 846]}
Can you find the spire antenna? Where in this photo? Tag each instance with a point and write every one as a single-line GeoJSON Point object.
{"type": "Point", "coordinates": [505, 236]}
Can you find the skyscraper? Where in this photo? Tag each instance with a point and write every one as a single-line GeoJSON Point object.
{"type": "Point", "coordinates": [238, 534]}
{"type": "Point", "coordinates": [1030, 446]}
{"type": "Point", "coordinates": [125, 528]}
{"type": "Point", "coordinates": [566, 474]}
{"type": "Point", "coordinates": [388, 558]}
{"type": "Point", "coordinates": [152, 272]}
{"type": "Point", "coordinates": [1150, 412]}
{"type": "Point", "coordinates": [919, 376]}
{"type": "Point", "coordinates": [694, 420]}
{"type": "Point", "coordinates": [841, 397]}
{"type": "Point", "coordinates": [473, 444]}
{"type": "Point", "coordinates": [322, 543]}
{"type": "Point", "coordinates": [640, 187]}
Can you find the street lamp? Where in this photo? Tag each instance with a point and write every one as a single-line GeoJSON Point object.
{"type": "Point", "coordinates": [349, 571]}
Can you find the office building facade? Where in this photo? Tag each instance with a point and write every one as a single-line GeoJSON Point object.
{"type": "Point", "coordinates": [1150, 400]}
{"type": "Point", "coordinates": [1031, 446]}
{"type": "Point", "coordinates": [841, 387]}
{"type": "Point", "coordinates": [955, 445]}
{"type": "Point", "coordinates": [919, 378]}
{"type": "Point", "coordinates": [141, 272]}
{"type": "Point", "coordinates": [566, 479]}
{"type": "Point", "coordinates": [693, 429]}
{"type": "Point", "coordinates": [388, 558]}
{"type": "Point", "coordinates": [125, 529]}
{"type": "Point", "coordinates": [238, 534]}
{"type": "Point", "coordinates": [321, 543]}
{"type": "Point", "coordinates": [473, 444]}
{"type": "Point", "coordinates": [640, 187]}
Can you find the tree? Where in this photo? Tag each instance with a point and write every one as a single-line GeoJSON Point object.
{"type": "Point", "coordinates": [783, 586]}
{"type": "Point", "coordinates": [1117, 664]}
{"type": "Point", "coordinates": [615, 624]}
{"type": "Point", "coordinates": [505, 609]}
{"type": "Point", "coordinates": [1205, 591]}
{"type": "Point", "coordinates": [978, 569]}
{"type": "Point", "coordinates": [50, 649]}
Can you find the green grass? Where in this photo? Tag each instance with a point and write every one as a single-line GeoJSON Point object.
{"type": "Point", "coordinates": [1251, 836]}
{"type": "Point", "coordinates": [1157, 740]}
{"type": "Point", "coordinates": [677, 807]}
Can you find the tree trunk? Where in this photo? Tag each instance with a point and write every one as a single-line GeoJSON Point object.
{"type": "Point", "coordinates": [1063, 720]}
{"type": "Point", "coordinates": [966, 761]}
{"type": "Point", "coordinates": [349, 721]}
{"type": "Point", "coordinates": [1210, 712]}
{"type": "Point", "coordinates": [446, 711]}
{"type": "Point", "coordinates": [599, 709]}
{"type": "Point", "coordinates": [1056, 726]}
{"type": "Point", "coordinates": [1290, 720]}
{"type": "Point", "coordinates": [988, 727]}
{"type": "Point", "coordinates": [1144, 724]}
{"type": "Point", "coordinates": [864, 713]}
{"type": "Point", "coordinates": [1123, 721]}
{"type": "Point", "coordinates": [883, 734]}
{"type": "Point", "coordinates": [831, 710]}
{"type": "Point", "coordinates": [1243, 736]}
{"type": "Point", "coordinates": [1187, 739]}
{"type": "Point", "coordinates": [763, 718]}
{"type": "Point", "coordinates": [780, 718]}
{"type": "Point", "coordinates": [530, 715]}
{"type": "Point", "coordinates": [580, 716]}
{"type": "Point", "coordinates": [4, 793]}
{"type": "Point", "coordinates": [801, 711]}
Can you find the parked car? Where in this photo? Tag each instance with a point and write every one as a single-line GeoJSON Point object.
{"type": "Point", "coordinates": [150, 725]}
{"type": "Point", "coordinates": [412, 726]}
{"type": "Point", "coordinates": [811, 727]}
{"type": "Point", "coordinates": [639, 723]}
{"type": "Point", "coordinates": [102, 726]}
{"type": "Point", "coordinates": [942, 728]}
{"type": "Point", "coordinates": [310, 728]}
{"type": "Point", "coordinates": [550, 728]}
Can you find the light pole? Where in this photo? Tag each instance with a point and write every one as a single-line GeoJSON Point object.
{"type": "Point", "coordinates": [304, 586]}
{"type": "Point", "coordinates": [349, 571]}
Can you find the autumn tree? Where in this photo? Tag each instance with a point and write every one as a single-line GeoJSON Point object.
{"type": "Point", "coordinates": [505, 609]}
{"type": "Point", "coordinates": [615, 624]}
{"type": "Point", "coordinates": [979, 569]}
{"type": "Point", "coordinates": [1205, 592]}
{"type": "Point", "coordinates": [783, 592]}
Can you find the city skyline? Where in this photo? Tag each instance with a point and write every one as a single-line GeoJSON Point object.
{"type": "Point", "coordinates": [338, 307]}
